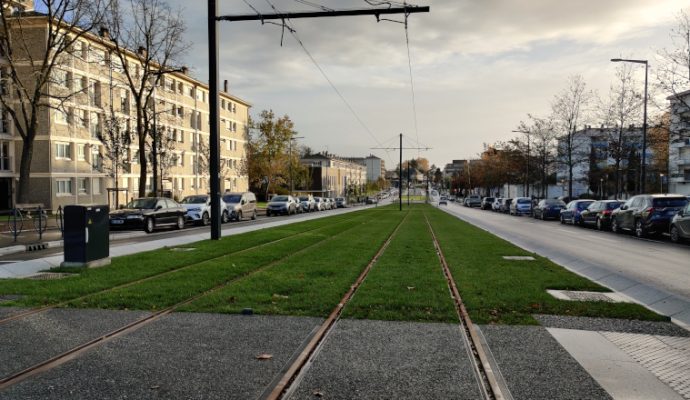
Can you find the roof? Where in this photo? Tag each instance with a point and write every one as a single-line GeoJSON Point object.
{"type": "Point", "coordinates": [677, 95]}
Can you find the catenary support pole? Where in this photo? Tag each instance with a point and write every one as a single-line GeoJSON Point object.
{"type": "Point", "coordinates": [400, 175]}
{"type": "Point", "coordinates": [214, 140]}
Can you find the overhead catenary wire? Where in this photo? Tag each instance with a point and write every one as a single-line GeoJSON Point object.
{"type": "Point", "coordinates": [294, 34]}
{"type": "Point", "coordinates": [409, 64]}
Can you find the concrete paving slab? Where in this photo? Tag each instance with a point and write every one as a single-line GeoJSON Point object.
{"type": "Point", "coordinates": [594, 273]}
{"type": "Point", "coordinates": [536, 367]}
{"type": "Point", "coordinates": [364, 359]}
{"type": "Point", "coordinates": [38, 337]}
{"type": "Point", "coordinates": [617, 282]}
{"type": "Point", "coordinates": [645, 294]}
{"type": "Point", "coordinates": [611, 325]}
{"type": "Point", "coordinates": [180, 356]}
{"type": "Point", "coordinates": [616, 371]}
{"type": "Point", "coordinates": [670, 306]}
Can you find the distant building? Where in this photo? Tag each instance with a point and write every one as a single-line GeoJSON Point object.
{"type": "Point", "coordinates": [375, 167]}
{"type": "Point", "coordinates": [679, 144]}
{"type": "Point", "coordinates": [332, 176]}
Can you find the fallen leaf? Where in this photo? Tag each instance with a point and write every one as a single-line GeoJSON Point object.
{"type": "Point", "coordinates": [264, 356]}
{"type": "Point", "coordinates": [155, 387]}
{"type": "Point", "coordinates": [317, 393]}
{"type": "Point", "coordinates": [280, 296]}
{"type": "Point", "coordinates": [410, 288]}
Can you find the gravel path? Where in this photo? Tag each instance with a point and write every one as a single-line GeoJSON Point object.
{"type": "Point", "coordinates": [612, 325]}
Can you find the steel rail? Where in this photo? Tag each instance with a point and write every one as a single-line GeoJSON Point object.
{"type": "Point", "coordinates": [487, 381]}
{"type": "Point", "coordinates": [37, 310]}
{"type": "Point", "coordinates": [309, 352]}
{"type": "Point", "coordinates": [68, 355]}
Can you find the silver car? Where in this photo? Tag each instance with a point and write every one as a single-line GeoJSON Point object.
{"type": "Point", "coordinates": [199, 209]}
{"type": "Point", "coordinates": [240, 205]}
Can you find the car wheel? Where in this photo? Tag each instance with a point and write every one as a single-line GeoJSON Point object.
{"type": "Point", "coordinates": [675, 235]}
{"type": "Point", "coordinates": [149, 225]}
{"type": "Point", "coordinates": [239, 216]}
{"type": "Point", "coordinates": [639, 229]}
{"type": "Point", "coordinates": [205, 219]}
{"type": "Point", "coordinates": [600, 226]}
{"type": "Point", "coordinates": [225, 217]}
{"type": "Point", "coordinates": [614, 226]}
{"type": "Point", "coordinates": [254, 216]}
{"type": "Point", "coordinates": [180, 223]}
{"type": "Point", "coordinates": [268, 213]}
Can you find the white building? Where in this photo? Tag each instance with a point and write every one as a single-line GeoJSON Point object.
{"type": "Point", "coordinates": [679, 145]}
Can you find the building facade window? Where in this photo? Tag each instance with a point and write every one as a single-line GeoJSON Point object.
{"type": "Point", "coordinates": [81, 185]}
{"type": "Point", "coordinates": [62, 151]}
{"type": "Point", "coordinates": [5, 159]}
{"type": "Point", "coordinates": [81, 152]}
{"type": "Point", "coordinates": [96, 185]}
{"type": "Point", "coordinates": [63, 187]}
{"type": "Point", "coordinates": [61, 117]}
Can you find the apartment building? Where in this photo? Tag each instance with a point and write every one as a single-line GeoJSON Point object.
{"type": "Point", "coordinates": [69, 164]}
{"type": "Point", "coordinates": [679, 144]}
{"type": "Point", "coordinates": [332, 176]}
{"type": "Point", "coordinates": [376, 167]}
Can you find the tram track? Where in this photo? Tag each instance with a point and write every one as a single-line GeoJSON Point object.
{"type": "Point", "coordinates": [38, 310]}
{"type": "Point", "coordinates": [80, 349]}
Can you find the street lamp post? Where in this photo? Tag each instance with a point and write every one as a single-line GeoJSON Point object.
{"type": "Point", "coordinates": [643, 172]}
{"type": "Point", "coordinates": [661, 183]}
{"type": "Point", "coordinates": [290, 161]}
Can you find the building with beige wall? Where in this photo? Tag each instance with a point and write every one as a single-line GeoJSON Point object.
{"type": "Point", "coordinates": [333, 177]}
{"type": "Point", "coordinates": [68, 165]}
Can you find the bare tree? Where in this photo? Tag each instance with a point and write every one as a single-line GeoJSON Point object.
{"type": "Point", "coordinates": [542, 154]}
{"type": "Point", "coordinates": [623, 107]}
{"type": "Point", "coordinates": [567, 111]}
{"type": "Point", "coordinates": [148, 40]}
{"type": "Point", "coordinates": [29, 66]}
{"type": "Point", "coordinates": [673, 72]}
{"type": "Point", "coordinates": [116, 139]}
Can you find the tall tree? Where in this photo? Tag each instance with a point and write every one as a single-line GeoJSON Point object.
{"type": "Point", "coordinates": [622, 108]}
{"type": "Point", "coordinates": [267, 147]}
{"type": "Point", "coordinates": [543, 137]}
{"type": "Point", "coordinates": [673, 72]}
{"type": "Point", "coordinates": [148, 39]}
{"type": "Point", "coordinates": [31, 68]}
{"type": "Point", "coordinates": [568, 108]}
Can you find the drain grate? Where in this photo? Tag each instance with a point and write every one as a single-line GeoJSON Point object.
{"type": "Point", "coordinates": [519, 258]}
{"type": "Point", "coordinates": [44, 276]}
{"type": "Point", "coordinates": [36, 246]}
{"type": "Point", "coordinates": [667, 357]}
{"type": "Point", "coordinates": [572, 295]}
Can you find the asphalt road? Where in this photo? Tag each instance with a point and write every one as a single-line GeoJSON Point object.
{"type": "Point", "coordinates": [657, 263]}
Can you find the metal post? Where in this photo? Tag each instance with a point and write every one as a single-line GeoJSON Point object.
{"type": "Point", "coordinates": [527, 176]}
{"type": "Point", "coordinates": [214, 140]}
{"type": "Point", "coordinates": [408, 184]}
{"type": "Point", "coordinates": [400, 175]}
{"type": "Point", "coordinates": [643, 174]}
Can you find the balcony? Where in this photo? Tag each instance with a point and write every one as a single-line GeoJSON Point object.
{"type": "Point", "coordinates": [682, 161]}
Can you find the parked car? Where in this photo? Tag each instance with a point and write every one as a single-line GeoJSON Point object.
{"type": "Point", "coordinates": [647, 213]}
{"type": "Point", "coordinates": [487, 202]}
{"type": "Point", "coordinates": [372, 200]}
{"type": "Point", "coordinates": [319, 204]}
{"type": "Point", "coordinates": [443, 201]}
{"type": "Point", "coordinates": [473, 200]}
{"type": "Point", "coordinates": [599, 213]}
{"type": "Point", "coordinates": [571, 213]}
{"type": "Point", "coordinates": [521, 206]}
{"type": "Point", "coordinates": [281, 204]}
{"type": "Point", "coordinates": [548, 208]}
{"type": "Point", "coordinates": [240, 205]}
{"type": "Point", "coordinates": [307, 203]}
{"type": "Point", "coordinates": [496, 205]}
{"type": "Point", "coordinates": [331, 202]}
{"type": "Point", "coordinates": [199, 209]}
{"type": "Point", "coordinates": [505, 206]}
{"type": "Point", "coordinates": [148, 213]}
{"type": "Point", "coordinates": [341, 202]}
{"type": "Point", "coordinates": [680, 225]}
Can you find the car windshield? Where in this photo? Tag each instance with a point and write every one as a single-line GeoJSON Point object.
{"type": "Point", "coordinates": [232, 198]}
{"type": "Point", "coordinates": [613, 205]}
{"type": "Point", "coordinates": [584, 204]}
{"type": "Point", "coordinates": [279, 199]}
{"type": "Point", "coordinates": [524, 201]}
{"type": "Point", "coordinates": [339, 199]}
{"type": "Point", "coordinates": [671, 202]}
{"type": "Point", "coordinates": [554, 202]}
{"type": "Point", "coordinates": [142, 203]}
{"type": "Point", "coordinates": [303, 198]}
{"type": "Point", "coordinates": [194, 200]}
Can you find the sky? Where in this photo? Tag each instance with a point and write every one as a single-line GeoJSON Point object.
{"type": "Point", "coordinates": [478, 67]}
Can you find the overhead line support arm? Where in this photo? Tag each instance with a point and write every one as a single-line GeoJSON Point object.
{"type": "Point", "coordinates": [316, 14]}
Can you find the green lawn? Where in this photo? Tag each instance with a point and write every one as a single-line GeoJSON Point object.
{"type": "Point", "coordinates": [306, 268]}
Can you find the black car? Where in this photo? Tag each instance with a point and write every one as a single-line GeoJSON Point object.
{"type": "Point", "coordinates": [599, 213]}
{"type": "Point", "coordinates": [487, 202]}
{"type": "Point", "coordinates": [148, 213]}
{"type": "Point", "coordinates": [571, 213]}
{"type": "Point", "coordinates": [548, 208]}
{"type": "Point", "coordinates": [680, 225]}
{"type": "Point", "coordinates": [647, 213]}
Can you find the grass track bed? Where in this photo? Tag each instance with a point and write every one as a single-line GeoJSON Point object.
{"type": "Point", "coordinates": [495, 290]}
{"type": "Point", "coordinates": [407, 282]}
{"type": "Point", "coordinates": [172, 288]}
{"type": "Point", "coordinates": [309, 285]}
{"type": "Point", "coordinates": [142, 265]}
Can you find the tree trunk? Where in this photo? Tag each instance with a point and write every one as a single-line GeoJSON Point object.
{"type": "Point", "coordinates": [23, 187]}
{"type": "Point", "coordinates": [141, 139]}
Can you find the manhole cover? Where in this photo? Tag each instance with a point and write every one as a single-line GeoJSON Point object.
{"type": "Point", "coordinates": [49, 276]}
{"type": "Point", "coordinates": [519, 258]}
{"type": "Point", "coordinates": [572, 295]}
{"type": "Point", "coordinates": [182, 249]}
